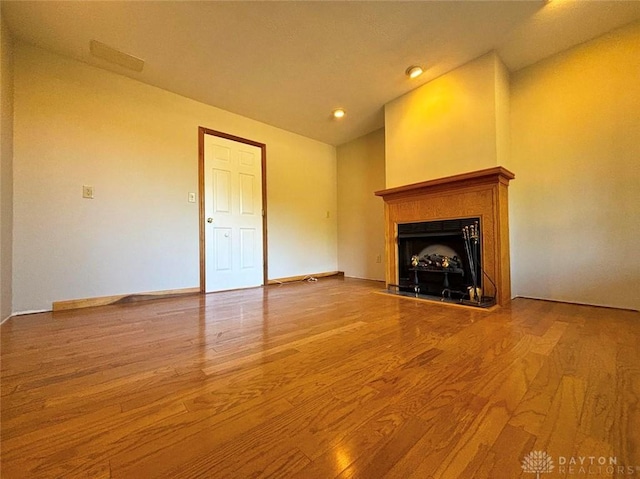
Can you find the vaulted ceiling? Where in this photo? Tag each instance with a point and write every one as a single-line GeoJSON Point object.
{"type": "Point", "coordinates": [289, 64]}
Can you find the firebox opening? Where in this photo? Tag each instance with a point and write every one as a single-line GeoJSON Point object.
{"type": "Point", "coordinates": [434, 261]}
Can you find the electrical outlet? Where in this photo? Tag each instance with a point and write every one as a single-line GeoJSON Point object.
{"type": "Point", "coordinates": [192, 197]}
{"type": "Point", "coordinates": [87, 192]}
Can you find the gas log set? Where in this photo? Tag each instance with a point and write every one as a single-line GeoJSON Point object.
{"type": "Point", "coordinates": [435, 261]}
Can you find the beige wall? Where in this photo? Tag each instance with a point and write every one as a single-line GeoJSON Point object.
{"type": "Point", "coordinates": [6, 171]}
{"type": "Point", "coordinates": [575, 203]}
{"type": "Point", "coordinates": [137, 145]}
{"type": "Point", "coordinates": [360, 213]}
{"type": "Point", "coordinates": [302, 202]}
{"type": "Point", "coordinates": [503, 109]}
{"type": "Point", "coordinates": [453, 124]}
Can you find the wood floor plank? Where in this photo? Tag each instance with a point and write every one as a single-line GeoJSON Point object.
{"type": "Point", "coordinates": [179, 440]}
{"type": "Point", "coordinates": [498, 460]}
{"type": "Point", "coordinates": [448, 418]}
{"type": "Point", "coordinates": [559, 431]}
{"type": "Point", "coordinates": [315, 380]}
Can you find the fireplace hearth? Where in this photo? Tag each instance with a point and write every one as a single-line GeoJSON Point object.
{"type": "Point", "coordinates": [426, 220]}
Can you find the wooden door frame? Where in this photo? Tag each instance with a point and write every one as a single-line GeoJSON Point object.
{"type": "Point", "coordinates": [263, 149]}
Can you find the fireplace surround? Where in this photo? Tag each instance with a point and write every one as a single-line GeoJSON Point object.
{"type": "Point", "coordinates": [480, 194]}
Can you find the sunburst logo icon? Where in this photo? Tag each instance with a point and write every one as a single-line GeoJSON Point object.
{"type": "Point", "coordinates": [537, 462]}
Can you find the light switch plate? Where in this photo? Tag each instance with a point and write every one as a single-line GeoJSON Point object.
{"type": "Point", "coordinates": [87, 192]}
{"type": "Point", "coordinates": [192, 197]}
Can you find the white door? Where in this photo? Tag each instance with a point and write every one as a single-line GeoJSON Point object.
{"type": "Point", "coordinates": [233, 214]}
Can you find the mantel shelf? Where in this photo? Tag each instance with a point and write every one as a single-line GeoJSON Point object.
{"type": "Point", "coordinates": [497, 174]}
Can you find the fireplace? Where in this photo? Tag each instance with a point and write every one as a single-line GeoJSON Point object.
{"type": "Point", "coordinates": [433, 260]}
{"type": "Point", "coordinates": [425, 215]}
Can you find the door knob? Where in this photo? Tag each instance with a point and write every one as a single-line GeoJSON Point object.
{"type": "Point", "coordinates": [209, 220]}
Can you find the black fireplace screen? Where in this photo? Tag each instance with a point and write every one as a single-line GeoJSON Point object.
{"type": "Point", "coordinates": [434, 260]}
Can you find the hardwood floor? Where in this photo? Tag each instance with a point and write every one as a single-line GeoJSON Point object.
{"type": "Point", "coordinates": [318, 380]}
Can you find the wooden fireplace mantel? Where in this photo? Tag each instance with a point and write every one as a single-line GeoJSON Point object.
{"type": "Point", "coordinates": [481, 193]}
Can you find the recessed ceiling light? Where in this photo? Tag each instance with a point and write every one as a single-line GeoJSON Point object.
{"type": "Point", "coordinates": [339, 113]}
{"type": "Point", "coordinates": [414, 71]}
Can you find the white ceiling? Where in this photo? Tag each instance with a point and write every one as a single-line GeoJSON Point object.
{"type": "Point", "coordinates": [289, 64]}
